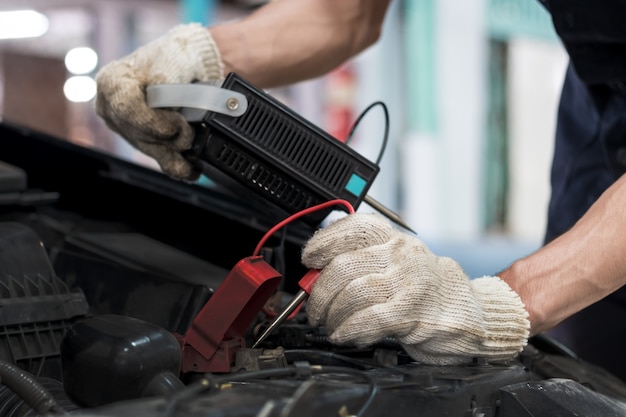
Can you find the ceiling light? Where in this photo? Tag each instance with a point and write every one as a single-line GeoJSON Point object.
{"type": "Point", "coordinates": [81, 60]}
{"type": "Point", "coordinates": [80, 89]}
{"type": "Point", "coordinates": [22, 24]}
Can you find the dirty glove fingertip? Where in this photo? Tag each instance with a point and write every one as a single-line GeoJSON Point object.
{"type": "Point", "coordinates": [350, 233]}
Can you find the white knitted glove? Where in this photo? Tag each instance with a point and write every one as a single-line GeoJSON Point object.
{"type": "Point", "coordinates": [187, 53]}
{"type": "Point", "coordinates": [377, 282]}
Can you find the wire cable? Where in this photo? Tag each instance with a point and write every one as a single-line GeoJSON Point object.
{"type": "Point", "coordinates": [207, 383]}
{"type": "Point", "coordinates": [283, 223]}
{"type": "Point", "coordinates": [315, 370]}
{"type": "Point", "coordinates": [372, 387]}
{"type": "Point", "coordinates": [323, 357]}
{"type": "Point", "coordinates": [312, 209]}
{"type": "Point", "coordinates": [214, 383]}
{"type": "Point", "coordinates": [385, 135]}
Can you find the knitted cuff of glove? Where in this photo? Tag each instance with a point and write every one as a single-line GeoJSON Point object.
{"type": "Point", "coordinates": [506, 319]}
{"type": "Point", "coordinates": [200, 40]}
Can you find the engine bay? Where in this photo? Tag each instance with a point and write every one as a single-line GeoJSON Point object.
{"type": "Point", "coordinates": [108, 272]}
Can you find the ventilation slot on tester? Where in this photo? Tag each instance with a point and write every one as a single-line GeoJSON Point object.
{"type": "Point", "coordinates": [275, 186]}
{"type": "Point", "coordinates": [293, 144]}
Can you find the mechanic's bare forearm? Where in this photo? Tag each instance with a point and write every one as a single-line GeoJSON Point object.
{"type": "Point", "coordinates": [577, 269]}
{"type": "Point", "coordinates": [288, 41]}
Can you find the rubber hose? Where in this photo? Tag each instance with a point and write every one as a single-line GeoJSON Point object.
{"type": "Point", "coordinates": [27, 387]}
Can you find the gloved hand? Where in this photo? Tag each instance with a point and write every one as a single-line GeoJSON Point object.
{"type": "Point", "coordinates": [377, 282]}
{"type": "Point", "coordinates": [187, 53]}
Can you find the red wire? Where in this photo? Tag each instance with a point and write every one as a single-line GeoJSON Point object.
{"type": "Point", "coordinates": [291, 218]}
{"type": "Point", "coordinates": [299, 214]}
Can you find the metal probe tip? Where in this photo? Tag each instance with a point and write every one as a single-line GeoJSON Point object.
{"type": "Point", "coordinates": [394, 217]}
{"type": "Point", "coordinates": [278, 320]}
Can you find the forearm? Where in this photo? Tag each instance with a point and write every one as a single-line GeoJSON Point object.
{"type": "Point", "coordinates": [289, 41]}
{"type": "Point", "coordinates": [582, 266]}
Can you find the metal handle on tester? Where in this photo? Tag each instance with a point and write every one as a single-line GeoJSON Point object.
{"type": "Point", "coordinates": [305, 283]}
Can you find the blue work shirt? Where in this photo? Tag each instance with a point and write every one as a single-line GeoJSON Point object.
{"type": "Point", "coordinates": [590, 155]}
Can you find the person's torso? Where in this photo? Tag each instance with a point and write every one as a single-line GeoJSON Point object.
{"type": "Point", "coordinates": [594, 34]}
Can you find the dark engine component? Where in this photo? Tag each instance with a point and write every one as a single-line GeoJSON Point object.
{"type": "Point", "coordinates": [303, 389]}
{"type": "Point", "coordinates": [557, 397]}
{"type": "Point", "coordinates": [36, 307]}
{"type": "Point", "coordinates": [111, 358]}
{"type": "Point", "coordinates": [25, 393]}
{"type": "Point", "coordinates": [92, 295]}
{"type": "Point", "coordinates": [119, 270]}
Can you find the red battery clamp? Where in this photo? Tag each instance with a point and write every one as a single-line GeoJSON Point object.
{"type": "Point", "coordinates": [219, 329]}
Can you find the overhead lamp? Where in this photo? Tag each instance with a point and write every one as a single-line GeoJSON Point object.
{"type": "Point", "coordinates": [80, 88]}
{"type": "Point", "coordinates": [18, 24]}
{"type": "Point", "coordinates": [81, 60]}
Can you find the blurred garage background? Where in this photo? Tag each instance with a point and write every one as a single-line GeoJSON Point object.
{"type": "Point", "coordinates": [471, 87]}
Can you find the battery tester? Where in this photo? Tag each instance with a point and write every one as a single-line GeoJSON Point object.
{"type": "Point", "coordinates": [248, 141]}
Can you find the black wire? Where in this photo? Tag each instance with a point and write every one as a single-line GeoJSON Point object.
{"type": "Point", "coordinates": [269, 373]}
{"type": "Point", "coordinates": [281, 252]}
{"type": "Point", "coordinates": [373, 386]}
{"type": "Point", "coordinates": [207, 383]}
{"type": "Point", "coordinates": [213, 383]}
{"type": "Point", "coordinates": [293, 401]}
{"type": "Point", "coordinates": [262, 374]}
{"type": "Point", "coordinates": [318, 356]}
{"type": "Point", "coordinates": [385, 136]}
